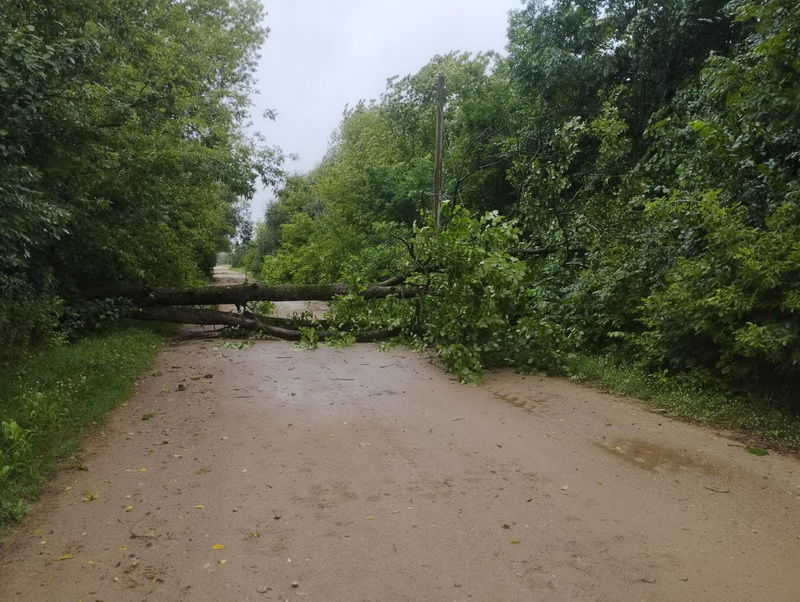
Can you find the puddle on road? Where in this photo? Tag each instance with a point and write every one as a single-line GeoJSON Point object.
{"type": "Point", "coordinates": [653, 457]}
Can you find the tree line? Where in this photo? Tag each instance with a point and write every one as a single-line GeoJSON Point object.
{"type": "Point", "coordinates": [640, 159]}
{"type": "Point", "coordinates": [122, 154]}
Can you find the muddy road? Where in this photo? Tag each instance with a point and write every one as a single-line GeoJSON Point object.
{"type": "Point", "coordinates": [269, 473]}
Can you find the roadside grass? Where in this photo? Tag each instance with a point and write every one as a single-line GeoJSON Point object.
{"type": "Point", "coordinates": [766, 420]}
{"type": "Point", "coordinates": [48, 401]}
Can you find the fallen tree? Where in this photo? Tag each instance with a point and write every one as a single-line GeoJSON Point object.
{"type": "Point", "coordinates": [281, 328]}
{"type": "Point", "coordinates": [240, 294]}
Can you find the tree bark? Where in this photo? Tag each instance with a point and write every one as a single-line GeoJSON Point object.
{"type": "Point", "coordinates": [280, 328]}
{"type": "Point", "coordinates": [242, 293]}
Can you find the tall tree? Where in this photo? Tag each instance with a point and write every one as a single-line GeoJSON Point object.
{"type": "Point", "coordinates": [121, 146]}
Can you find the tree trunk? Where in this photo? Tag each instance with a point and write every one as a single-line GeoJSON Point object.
{"type": "Point", "coordinates": [242, 293]}
{"type": "Point", "coordinates": [280, 328]}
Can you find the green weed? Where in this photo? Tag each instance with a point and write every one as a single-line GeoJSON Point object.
{"type": "Point", "coordinates": [50, 400]}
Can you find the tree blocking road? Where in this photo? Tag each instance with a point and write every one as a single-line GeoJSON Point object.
{"type": "Point", "coordinates": [286, 329]}
{"type": "Point", "coordinates": [239, 294]}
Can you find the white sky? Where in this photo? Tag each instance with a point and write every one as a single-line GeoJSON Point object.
{"type": "Point", "coordinates": [322, 55]}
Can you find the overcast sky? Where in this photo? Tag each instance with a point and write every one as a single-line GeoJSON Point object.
{"type": "Point", "coordinates": [322, 55]}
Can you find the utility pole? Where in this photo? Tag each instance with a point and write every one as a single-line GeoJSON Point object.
{"type": "Point", "coordinates": [437, 170]}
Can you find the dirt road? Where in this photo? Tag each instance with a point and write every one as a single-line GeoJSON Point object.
{"type": "Point", "coordinates": [269, 473]}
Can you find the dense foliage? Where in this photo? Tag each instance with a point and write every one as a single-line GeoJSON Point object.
{"type": "Point", "coordinates": [122, 159]}
{"type": "Point", "coordinates": [647, 154]}
{"type": "Point", "coordinates": [483, 309]}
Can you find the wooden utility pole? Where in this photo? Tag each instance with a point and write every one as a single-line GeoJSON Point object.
{"type": "Point", "coordinates": [437, 170]}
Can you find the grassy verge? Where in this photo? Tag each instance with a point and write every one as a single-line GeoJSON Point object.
{"type": "Point", "coordinates": [48, 401]}
{"type": "Point", "coordinates": [766, 420]}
